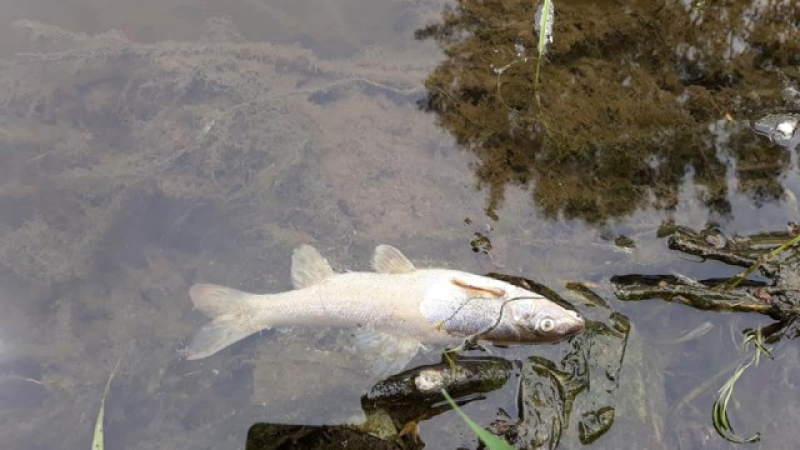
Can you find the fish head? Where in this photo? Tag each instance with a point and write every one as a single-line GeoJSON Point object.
{"type": "Point", "coordinates": [493, 310]}
{"type": "Point", "coordinates": [532, 318]}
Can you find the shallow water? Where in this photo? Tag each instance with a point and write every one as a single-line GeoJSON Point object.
{"type": "Point", "coordinates": [146, 149]}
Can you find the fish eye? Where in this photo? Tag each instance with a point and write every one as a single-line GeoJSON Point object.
{"type": "Point", "coordinates": [547, 324]}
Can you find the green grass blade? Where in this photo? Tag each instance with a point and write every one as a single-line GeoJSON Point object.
{"type": "Point", "coordinates": [492, 442]}
{"type": "Point", "coordinates": [733, 282]}
{"type": "Point", "coordinates": [719, 414]}
{"type": "Point", "coordinates": [545, 18]}
{"type": "Point", "coordinates": [545, 26]}
{"type": "Point", "coordinates": [98, 442]}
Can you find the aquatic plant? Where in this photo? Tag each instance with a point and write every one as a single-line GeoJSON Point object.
{"type": "Point", "coordinates": [720, 412]}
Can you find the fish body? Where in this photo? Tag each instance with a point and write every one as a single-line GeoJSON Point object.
{"type": "Point", "coordinates": [390, 312]}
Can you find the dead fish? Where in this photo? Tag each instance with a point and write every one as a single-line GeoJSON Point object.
{"type": "Point", "coordinates": [391, 312]}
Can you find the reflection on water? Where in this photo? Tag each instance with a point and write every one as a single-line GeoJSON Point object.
{"type": "Point", "coordinates": [133, 166]}
{"type": "Point", "coordinates": [629, 100]}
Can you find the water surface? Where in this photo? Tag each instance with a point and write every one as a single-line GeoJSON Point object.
{"type": "Point", "coordinates": [148, 148]}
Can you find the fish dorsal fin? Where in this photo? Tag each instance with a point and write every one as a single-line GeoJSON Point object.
{"type": "Point", "coordinates": [388, 259]}
{"type": "Point", "coordinates": [309, 267]}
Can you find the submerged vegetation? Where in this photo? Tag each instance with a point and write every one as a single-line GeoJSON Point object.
{"type": "Point", "coordinates": [130, 170]}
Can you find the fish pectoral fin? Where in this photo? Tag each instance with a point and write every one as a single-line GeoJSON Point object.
{"type": "Point", "coordinates": [214, 336]}
{"type": "Point", "coordinates": [309, 267]}
{"type": "Point", "coordinates": [388, 259]}
{"type": "Point", "coordinates": [385, 354]}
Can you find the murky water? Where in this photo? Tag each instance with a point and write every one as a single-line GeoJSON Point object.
{"type": "Point", "coordinates": [148, 147]}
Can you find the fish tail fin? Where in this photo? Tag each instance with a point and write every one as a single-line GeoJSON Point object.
{"type": "Point", "coordinates": [228, 308]}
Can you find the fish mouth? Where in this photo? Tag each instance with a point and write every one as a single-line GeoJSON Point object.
{"type": "Point", "coordinates": [575, 330]}
{"type": "Point", "coordinates": [578, 327]}
{"type": "Point", "coordinates": [566, 331]}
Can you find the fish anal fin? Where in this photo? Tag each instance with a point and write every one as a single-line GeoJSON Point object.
{"type": "Point", "coordinates": [388, 259]}
{"type": "Point", "coordinates": [386, 354]}
{"type": "Point", "coordinates": [481, 290]}
{"type": "Point", "coordinates": [309, 267]}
